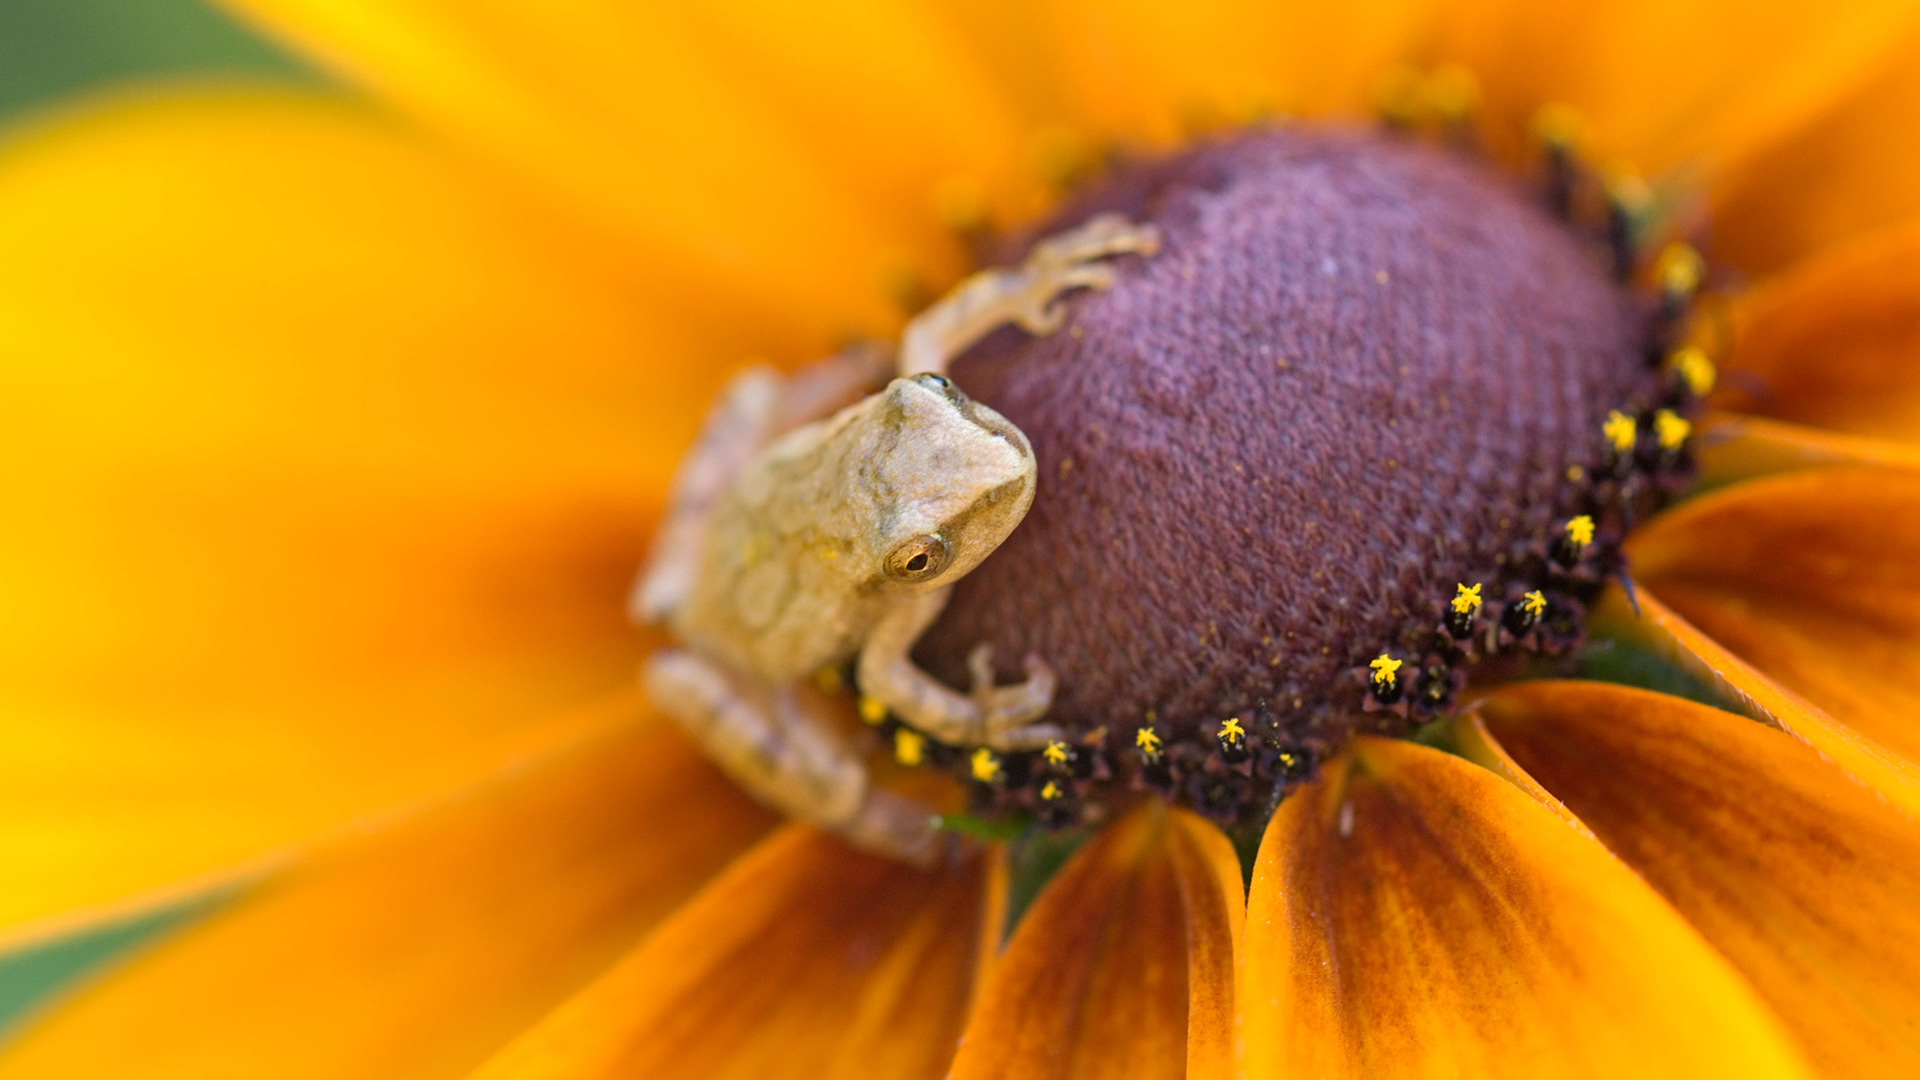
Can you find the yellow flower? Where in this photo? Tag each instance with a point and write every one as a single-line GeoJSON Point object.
{"type": "Point", "coordinates": [333, 432]}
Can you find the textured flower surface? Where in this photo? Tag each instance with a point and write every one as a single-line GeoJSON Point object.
{"type": "Point", "coordinates": [334, 430]}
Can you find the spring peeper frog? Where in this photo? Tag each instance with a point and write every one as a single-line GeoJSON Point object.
{"type": "Point", "coordinates": [795, 542]}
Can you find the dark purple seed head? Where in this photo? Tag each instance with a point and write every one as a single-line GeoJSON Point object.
{"type": "Point", "coordinates": [1360, 374]}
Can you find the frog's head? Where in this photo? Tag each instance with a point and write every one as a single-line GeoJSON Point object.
{"type": "Point", "coordinates": [948, 477]}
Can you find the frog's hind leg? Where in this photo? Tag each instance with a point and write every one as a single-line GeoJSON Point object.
{"type": "Point", "coordinates": [777, 744]}
{"type": "Point", "coordinates": [996, 716]}
{"type": "Point", "coordinates": [1027, 297]}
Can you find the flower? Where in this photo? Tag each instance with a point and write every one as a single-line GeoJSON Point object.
{"type": "Point", "coordinates": [333, 432]}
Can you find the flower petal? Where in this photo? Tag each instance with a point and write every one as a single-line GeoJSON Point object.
{"type": "Point", "coordinates": [1735, 447]}
{"type": "Point", "coordinates": [1814, 579]}
{"type": "Point", "coordinates": [1797, 874]}
{"type": "Point", "coordinates": [805, 959]}
{"type": "Point", "coordinates": [1833, 343]}
{"type": "Point", "coordinates": [1415, 915]}
{"type": "Point", "coordinates": [769, 154]}
{"type": "Point", "coordinates": [1853, 169]}
{"type": "Point", "coordinates": [1655, 627]}
{"type": "Point", "coordinates": [322, 461]}
{"type": "Point", "coordinates": [1123, 966]}
{"type": "Point", "coordinates": [1665, 84]}
{"type": "Point", "coordinates": [420, 947]}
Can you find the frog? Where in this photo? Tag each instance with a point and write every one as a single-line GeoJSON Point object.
{"type": "Point", "coordinates": [821, 518]}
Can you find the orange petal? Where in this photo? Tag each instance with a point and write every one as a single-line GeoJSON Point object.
{"type": "Point", "coordinates": [1797, 874]}
{"type": "Point", "coordinates": [1124, 965]}
{"type": "Point", "coordinates": [1665, 84]}
{"type": "Point", "coordinates": [770, 154]}
{"type": "Point", "coordinates": [1814, 579]}
{"type": "Point", "coordinates": [1145, 70]}
{"type": "Point", "coordinates": [1854, 168]}
{"type": "Point", "coordinates": [1415, 915]}
{"type": "Point", "coordinates": [805, 959]}
{"type": "Point", "coordinates": [1744, 688]}
{"type": "Point", "coordinates": [323, 461]}
{"type": "Point", "coordinates": [1735, 447]}
{"type": "Point", "coordinates": [1833, 343]}
{"type": "Point", "coordinates": [417, 949]}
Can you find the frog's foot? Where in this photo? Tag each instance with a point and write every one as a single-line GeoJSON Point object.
{"type": "Point", "coordinates": [1073, 260]}
{"type": "Point", "coordinates": [779, 744]}
{"type": "Point", "coordinates": [1027, 297]}
{"type": "Point", "coordinates": [1005, 710]}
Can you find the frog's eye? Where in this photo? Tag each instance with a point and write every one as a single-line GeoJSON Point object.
{"type": "Point", "coordinates": [919, 558]}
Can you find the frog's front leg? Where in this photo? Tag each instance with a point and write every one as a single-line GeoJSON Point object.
{"type": "Point", "coordinates": [780, 746]}
{"type": "Point", "coordinates": [995, 716]}
{"type": "Point", "coordinates": [1027, 297]}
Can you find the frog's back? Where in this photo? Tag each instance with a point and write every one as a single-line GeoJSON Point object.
{"type": "Point", "coordinates": [783, 588]}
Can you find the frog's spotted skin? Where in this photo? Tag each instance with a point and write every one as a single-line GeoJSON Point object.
{"type": "Point", "coordinates": [792, 548]}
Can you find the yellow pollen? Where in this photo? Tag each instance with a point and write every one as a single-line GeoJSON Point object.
{"type": "Point", "coordinates": [1558, 124]}
{"type": "Point", "coordinates": [1231, 731]}
{"type": "Point", "coordinates": [1286, 759]}
{"type": "Point", "coordinates": [986, 767]}
{"type": "Point", "coordinates": [1680, 268]}
{"type": "Point", "coordinates": [1051, 791]}
{"type": "Point", "coordinates": [1580, 531]}
{"type": "Point", "coordinates": [1055, 753]}
{"type": "Point", "coordinates": [1694, 369]}
{"type": "Point", "coordinates": [1620, 430]}
{"type": "Point", "coordinates": [1146, 740]}
{"type": "Point", "coordinates": [1386, 670]}
{"type": "Point", "coordinates": [909, 746]}
{"type": "Point", "coordinates": [1534, 602]}
{"type": "Point", "coordinates": [1630, 193]}
{"type": "Point", "coordinates": [1671, 428]}
{"type": "Point", "coordinates": [872, 710]}
{"type": "Point", "coordinates": [1466, 599]}
{"type": "Point", "coordinates": [1453, 91]}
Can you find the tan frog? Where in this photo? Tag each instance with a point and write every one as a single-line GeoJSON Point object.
{"type": "Point", "coordinates": [794, 543]}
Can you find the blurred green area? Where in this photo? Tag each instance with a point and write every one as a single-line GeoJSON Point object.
{"type": "Point", "coordinates": [51, 49]}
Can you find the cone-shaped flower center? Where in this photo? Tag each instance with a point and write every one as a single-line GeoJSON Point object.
{"type": "Point", "coordinates": [1371, 417]}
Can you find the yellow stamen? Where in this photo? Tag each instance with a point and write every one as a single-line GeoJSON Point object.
{"type": "Point", "coordinates": [1466, 599]}
{"type": "Point", "coordinates": [1694, 369]}
{"type": "Point", "coordinates": [1671, 429]}
{"type": "Point", "coordinates": [1620, 430]}
{"type": "Point", "coordinates": [1534, 603]}
{"type": "Point", "coordinates": [1580, 531]}
{"type": "Point", "coordinates": [872, 710]}
{"type": "Point", "coordinates": [1056, 753]}
{"type": "Point", "coordinates": [1051, 791]}
{"type": "Point", "coordinates": [1146, 740]}
{"type": "Point", "coordinates": [1231, 731]}
{"type": "Point", "coordinates": [986, 767]}
{"type": "Point", "coordinates": [1386, 670]}
{"type": "Point", "coordinates": [1453, 91]}
{"type": "Point", "coordinates": [1630, 193]}
{"type": "Point", "coordinates": [1680, 268]}
{"type": "Point", "coordinates": [1558, 124]}
{"type": "Point", "coordinates": [909, 746]}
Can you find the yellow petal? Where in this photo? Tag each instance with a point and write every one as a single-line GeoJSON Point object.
{"type": "Point", "coordinates": [805, 959]}
{"type": "Point", "coordinates": [1146, 70]}
{"type": "Point", "coordinates": [1797, 874]}
{"type": "Point", "coordinates": [417, 949]}
{"type": "Point", "coordinates": [1833, 342]}
{"type": "Point", "coordinates": [1854, 168]}
{"type": "Point", "coordinates": [1124, 965]}
{"type": "Point", "coordinates": [1663, 84]}
{"type": "Point", "coordinates": [775, 155]}
{"type": "Point", "coordinates": [1415, 915]}
{"type": "Point", "coordinates": [323, 460]}
{"type": "Point", "coordinates": [1813, 578]}
{"type": "Point", "coordinates": [1734, 447]}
